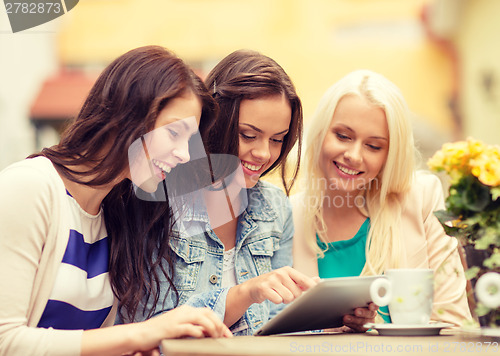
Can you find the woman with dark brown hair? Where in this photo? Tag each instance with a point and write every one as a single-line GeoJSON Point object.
{"type": "Point", "coordinates": [233, 244]}
{"type": "Point", "coordinates": [75, 239]}
{"type": "Point", "coordinates": [240, 77]}
{"type": "Point", "coordinates": [259, 121]}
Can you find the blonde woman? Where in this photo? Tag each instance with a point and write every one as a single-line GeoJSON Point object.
{"type": "Point", "coordinates": [364, 207]}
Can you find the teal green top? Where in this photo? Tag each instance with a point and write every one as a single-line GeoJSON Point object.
{"type": "Point", "coordinates": [347, 258]}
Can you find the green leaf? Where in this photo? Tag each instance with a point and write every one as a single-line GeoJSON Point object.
{"type": "Point", "coordinates": [493, 261]}
{"type": "Point", "coordinates": [495, 193]}
{"type": "Point", "coordinates": [488, 238]}
{"type": "Point", "coordinates": [482, 310]}
{"type": "Point", "coordinates": [474, 219]}
{"type": "Point", "coordinates": [472, 272]}
{"type": "Point", "coordinates": [444, 216]}
{"type": "Point", "coordinates": [452, 231]}
{"type": "Point", "coordinates": [477, 196]}
{"type": "Point", "coordinates": [455, 205]}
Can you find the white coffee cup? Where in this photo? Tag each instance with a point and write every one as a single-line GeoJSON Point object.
{"type": "Point", "coordinates": [487, 289]}
{"type": "Point", "coordinates": [409, 294]}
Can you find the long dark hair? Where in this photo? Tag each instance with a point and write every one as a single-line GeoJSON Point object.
{"type": "Point", "coordinates": [246, 74]}
{"type": "Point", "coordinates": [122, 106]}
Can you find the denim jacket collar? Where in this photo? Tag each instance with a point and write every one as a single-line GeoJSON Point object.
{"type": "Point", "coordinates": [259, 207]}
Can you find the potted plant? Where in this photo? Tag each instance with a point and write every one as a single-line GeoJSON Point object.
{"type": "Point", "coordinates": [472, 213]}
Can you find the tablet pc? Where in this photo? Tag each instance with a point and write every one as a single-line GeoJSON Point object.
{"type": "Point", "coordinates": [323, 306]}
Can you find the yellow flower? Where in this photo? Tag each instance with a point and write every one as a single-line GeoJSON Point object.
{"type": "Point", "coordinates": [472, 212]}
{"type": "Point", "coordinates": [455, 158]}
{"type": "Point", "coordinates": [486, 167]}
{"type": "Point", "coordinates": [475, 147]}
{"type": "Point", "coordinates": [436, 162]}
{"type": "Point", "coordinates": [456, 155]}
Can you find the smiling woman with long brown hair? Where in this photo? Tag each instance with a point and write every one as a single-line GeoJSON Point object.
{"type": "Point", "coordinates": [72, 231]}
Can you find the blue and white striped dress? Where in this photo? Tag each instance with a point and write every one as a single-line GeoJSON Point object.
{"type": "Point", "coordinates": [81, 297]}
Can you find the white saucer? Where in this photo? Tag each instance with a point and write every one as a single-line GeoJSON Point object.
{"type": "Point", "coordinates": [491, 332]}
{"type": "Point", "coordinates": [408, 330]}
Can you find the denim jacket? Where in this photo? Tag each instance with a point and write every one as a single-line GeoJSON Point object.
{"type": "Point", "coordinates": [263, 243]}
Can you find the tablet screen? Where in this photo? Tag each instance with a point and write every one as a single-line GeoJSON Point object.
{"type": "Point", "coordinates": [323, 306]}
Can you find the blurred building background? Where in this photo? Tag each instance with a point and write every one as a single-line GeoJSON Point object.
{"type": "Point", "coordinates": [443, 54]}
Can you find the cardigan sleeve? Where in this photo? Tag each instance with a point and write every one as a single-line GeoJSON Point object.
{"type": "Point", "coordinates": [450, 300]}
{"type": "Point", "coordinates": [26, 204]}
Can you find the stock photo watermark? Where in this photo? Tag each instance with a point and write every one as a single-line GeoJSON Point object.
{"type": "Point", "coordinates": [28, 14]}
{"type": "Point", "coordinates": [383, 348]}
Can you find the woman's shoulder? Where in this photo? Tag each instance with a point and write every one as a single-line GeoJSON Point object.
{"type": "Point", "coordinates": [31, 193]}
{"type": "Point", "coordinates": [426, 182]}
{"type": "Point", "coordinates": [29, 165]}
{"type": "Point", "coordinates": [31, 177]}
{"type": "Point", "coordinates": [426, 178]}
{"type": "Point", "coordinates": [267, 197]}
{"type": "Point", "coordinates": [426, 193]}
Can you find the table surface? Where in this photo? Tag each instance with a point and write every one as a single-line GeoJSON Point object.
{"type": "Point", "coordinates": [448, 343]}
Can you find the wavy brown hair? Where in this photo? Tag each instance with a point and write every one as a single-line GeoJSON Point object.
{"type": "Point", "coordinates": [246, 74]}
{"type": "Point", "coordinates": [122, 106]}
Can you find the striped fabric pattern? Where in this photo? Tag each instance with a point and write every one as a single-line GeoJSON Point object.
{"type": "Point", "coordinates": [81, 297]}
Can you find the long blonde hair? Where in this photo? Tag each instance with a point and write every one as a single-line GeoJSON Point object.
{"type": "Point", "coordinates": [384, 199]}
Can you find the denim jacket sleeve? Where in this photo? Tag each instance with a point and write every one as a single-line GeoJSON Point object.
{"type": "Point", "coordinates": [267, 245]}
{"type": "Point", "coordinates": [264, 248]}
{"type": "Point", "coordinates": [283, 256]}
